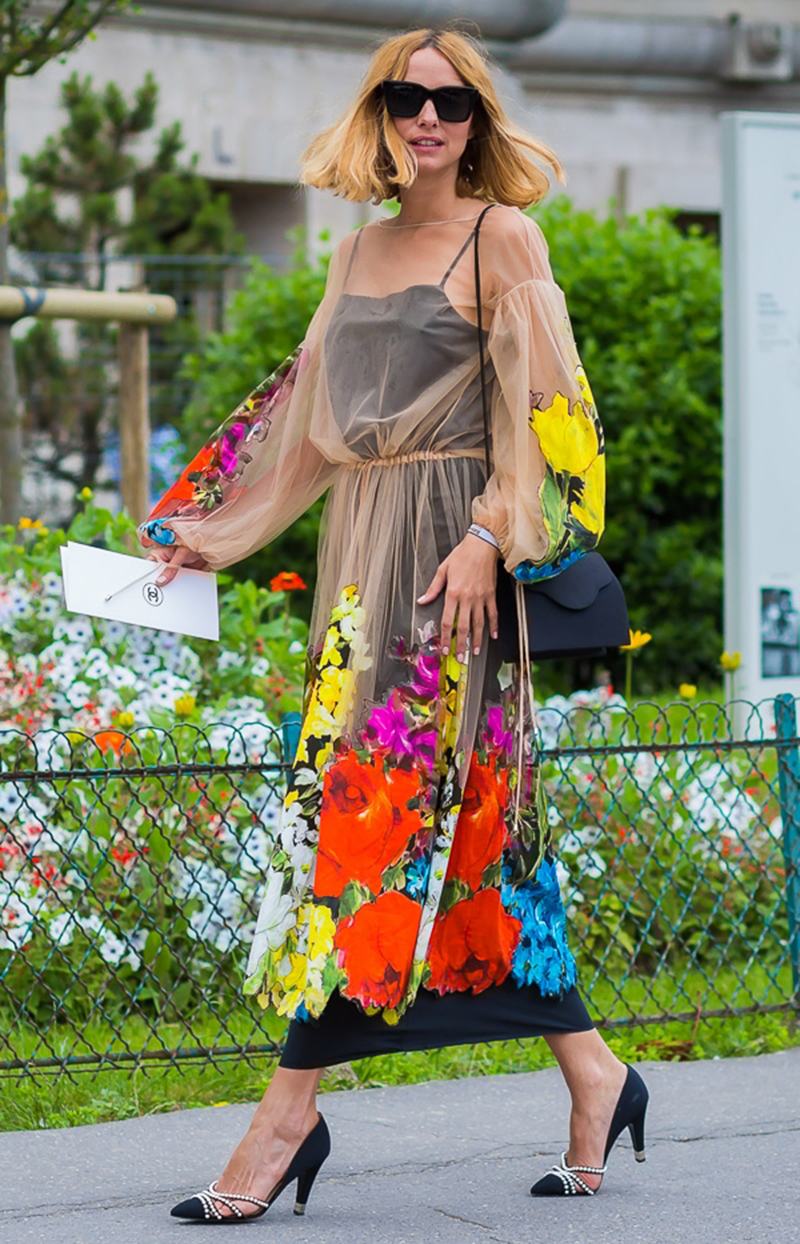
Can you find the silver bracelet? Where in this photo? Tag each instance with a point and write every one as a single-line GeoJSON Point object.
{"type": "Point", "coordinates": [481, 532]}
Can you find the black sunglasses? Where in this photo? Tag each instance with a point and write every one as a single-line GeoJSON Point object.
{"type": "Point", "coordinates": [407, 99]}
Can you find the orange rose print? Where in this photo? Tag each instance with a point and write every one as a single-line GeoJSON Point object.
{"type": "Point", "coordinates": [365, 822]}
{"type": "Point", "coordinates": [376, 947]}
{"type": "Point", "coordinates": [472, 945]}
{"type": "Point", "coordinates": [184, 488]}
{"type": "Point", "coordinates": [480, 832]}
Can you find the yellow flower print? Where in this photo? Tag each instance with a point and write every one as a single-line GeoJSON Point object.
{"type": "Point", "coordinates": [568, 439]}
{"type": "Point", "coordinates": [321, 930]}
{"type": "Point", "coordinates": [590, 510]}
{"type": "Point", "coordinates": [585, 387]}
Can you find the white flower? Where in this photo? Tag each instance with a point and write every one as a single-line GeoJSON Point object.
{"type": "Point", "coordinates": [51, 583]}
{"type": "Point", "coordinates": [62, 927]}
{"type": "Point", "coordinates": [79, 694]}
{"type": "Point", "coordinates": [120, 676]}
{"type": "Point", "coordinates": [115, 632]}
{"type": "Point", "coordinates": [229, 660]}
{"type": "Point", "coordinates": [593, 864]}
{"type": "Point", "coordinates": [296, 646]}
{"type": "Point", "coordinates": [145, 662]}
{"type": "Point", "coordinates": [79, 629]}
{"type": "Point", "coordinates": [27, 663]}
{"type": "Point", "coordinates": [260, 667]}
{"type": "Point", "coordinates": [112, 949]}
{"type": "Point", "coordinates": [12, 797]}
{"type": "Point", "coordinates": [97, 665]}
{"type": "Point", "coordinates": [48, 610]}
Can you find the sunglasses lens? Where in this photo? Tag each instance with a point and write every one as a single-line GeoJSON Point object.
{"type": "Point", "coordinates": [454, 103]}
{"type": "Point", "coordinates": [403, 99]}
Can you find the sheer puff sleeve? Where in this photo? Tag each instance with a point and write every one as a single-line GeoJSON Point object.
{"type": "Point", "coordinates": [261, 469]}
{"type": "Point", "coordinates": [544, 501]}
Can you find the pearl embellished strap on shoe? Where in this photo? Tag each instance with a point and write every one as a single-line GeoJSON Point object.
{"type": "Point", "coordinates": [209, 1196]}
{"type": "Point", "coordinates": [571, 1179]}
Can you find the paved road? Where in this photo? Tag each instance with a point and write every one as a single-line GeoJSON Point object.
{"type": "Point", "coordinates": [444, 1162]}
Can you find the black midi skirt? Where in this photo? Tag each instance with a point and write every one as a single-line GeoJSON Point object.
{"type": "Point", "coordinates": [344, 1032]}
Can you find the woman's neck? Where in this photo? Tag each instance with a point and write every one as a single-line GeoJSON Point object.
{"type": "Point", "coordinates": [433, 199]}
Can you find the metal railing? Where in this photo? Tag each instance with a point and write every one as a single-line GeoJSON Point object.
{"type": "Point", "coordinates": [131, 867]}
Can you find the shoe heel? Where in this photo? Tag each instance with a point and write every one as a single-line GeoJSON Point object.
{"type": "Point", "coordinates": [636, 1129]}
{"type": "Point", "coordinates": [305, 1183]}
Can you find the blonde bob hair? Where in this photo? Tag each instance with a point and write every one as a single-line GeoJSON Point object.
{"type": "Point", "coordinates": [362, 156]}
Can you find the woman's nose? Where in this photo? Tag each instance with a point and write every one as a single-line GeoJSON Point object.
{"type": "Point", "coordinates": [428, 114]}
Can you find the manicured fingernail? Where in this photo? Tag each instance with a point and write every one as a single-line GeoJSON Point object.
{"type": "Point", "coordinates": [446, 650]}
{"type": "Point", "coordinates": [420, 600]}
{"type": "Point", "coordinates": [476, 650]}
{"type": "Point", "coordinates": [494, 634]}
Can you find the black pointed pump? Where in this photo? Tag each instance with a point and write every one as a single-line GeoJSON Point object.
{"type": "Point", "coordinates": [563, 1180]}
{"type": "Point", "coordinates": [304, 1167]}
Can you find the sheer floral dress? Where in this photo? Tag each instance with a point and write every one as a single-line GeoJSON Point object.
{"type": "Point", "coordinates": [412, 898]}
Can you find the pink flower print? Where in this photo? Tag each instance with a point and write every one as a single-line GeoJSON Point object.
{"type": "Point", "coordinates": [426, 675]}
{"type": "Point", "coordinates": [496, 736]}
{"type": "Point", "coordinates": [390, 729]}
{"type": "Point", "coordinates": [228, 446]}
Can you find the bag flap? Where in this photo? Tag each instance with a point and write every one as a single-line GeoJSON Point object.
{"type": "Point", "coordinates": [578, 586]}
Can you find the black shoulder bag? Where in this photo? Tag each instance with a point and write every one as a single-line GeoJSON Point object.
{"type": "Point", "coordinates": [581, 611]}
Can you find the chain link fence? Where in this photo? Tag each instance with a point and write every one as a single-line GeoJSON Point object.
{"type": "Point", "coordinates": [131, 865]}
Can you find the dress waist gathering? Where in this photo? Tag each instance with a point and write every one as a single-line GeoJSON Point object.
{"type": "Point", "coordinates": [421, 455]}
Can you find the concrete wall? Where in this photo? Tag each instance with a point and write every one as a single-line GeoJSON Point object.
{"type": "Point", "coordinates": [250, 92]}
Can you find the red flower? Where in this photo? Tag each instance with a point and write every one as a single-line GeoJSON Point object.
{"type": "Point", "coordinates": [365, 822]}
{"type": "Point", "coordinates": [480, 832]}
{"type": "Point", "coordinates": [376, 947]}
{"type": "Point", "coordinates": [286, 581]}
{"type": "Point", "coordinates": [472, 944]}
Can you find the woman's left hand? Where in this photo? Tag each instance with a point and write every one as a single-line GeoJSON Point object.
{"type": "Point", "coordinates": [469, 575]}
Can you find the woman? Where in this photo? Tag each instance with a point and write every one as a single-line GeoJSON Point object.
{"type": "Point", "coordinates": [412, 900]}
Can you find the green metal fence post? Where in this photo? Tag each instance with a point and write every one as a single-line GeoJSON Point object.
{"type": "Point", "coordinates": [789, 779]}
{"type": "Point", "coordinates": [290, 730]}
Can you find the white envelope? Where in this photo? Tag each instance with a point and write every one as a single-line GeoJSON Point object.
{"type": "Point", "coordinates": [123, 589]}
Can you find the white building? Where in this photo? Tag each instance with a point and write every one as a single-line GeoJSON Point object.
{"type": "Point", "coordinates": [629, 92]}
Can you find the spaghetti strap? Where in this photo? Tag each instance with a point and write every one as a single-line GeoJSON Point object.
{"type": "Point", "coordinates": [449, 271]}
{"type": "Point", "coordinates": [352, 257]}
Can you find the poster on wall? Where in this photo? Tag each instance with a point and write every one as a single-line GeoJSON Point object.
{"type": "Point", "coordinates": [761, 323]}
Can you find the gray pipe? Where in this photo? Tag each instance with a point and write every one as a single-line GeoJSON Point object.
{"type": "Point", "coordinates": [496, 19]}
{"type": "Point", "coordinates": [611, 46]}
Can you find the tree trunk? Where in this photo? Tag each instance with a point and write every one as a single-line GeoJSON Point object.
{"type": "Point", "coordinates": [10, 426]}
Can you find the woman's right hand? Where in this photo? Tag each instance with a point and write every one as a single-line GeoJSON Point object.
{"type": "Point", "coordinates": [174, 557]}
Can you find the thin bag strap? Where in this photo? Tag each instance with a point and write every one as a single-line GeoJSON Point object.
{"type": "Point", "coordinates": [481, 345]}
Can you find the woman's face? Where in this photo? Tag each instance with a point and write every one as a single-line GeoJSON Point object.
{"type": "Point", "coordinates": [438, 145]}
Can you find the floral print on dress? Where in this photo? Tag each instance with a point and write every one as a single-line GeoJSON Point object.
{"type": "Point", "coordinates": [572, 493]}
{"type": "Point", "coordinates": [387, 875]}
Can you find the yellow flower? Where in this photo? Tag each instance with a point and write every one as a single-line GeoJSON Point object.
{"type": "Point", "coordinates": [221, 1103]}
{"type": "Point", "coordinates": [25, 523]}
{"type": "Point", "coordinates": [85, 494]}
{"type": "Point", "coordinates": [568, 439]}
{"type": "Point", "coordinates": [590, 510]}
{"type": "Point", "coordinates": [184, 705]}
{"type": "Point", "coordinates": [687, 690]}
{"type": "Point", "coordinates": [74, 737]}
{"type": "Point", "coordinates": [637, 640]}
{"type": "Point", "coordinates": [730, 661]}
{"type": "Point", "coordinates": [125, 720]}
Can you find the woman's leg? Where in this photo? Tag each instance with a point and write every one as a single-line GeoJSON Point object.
{"type": "Point", "coordinates": [284, 1117]}
{"type": "Point", "coordinates": [594, 1078]}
